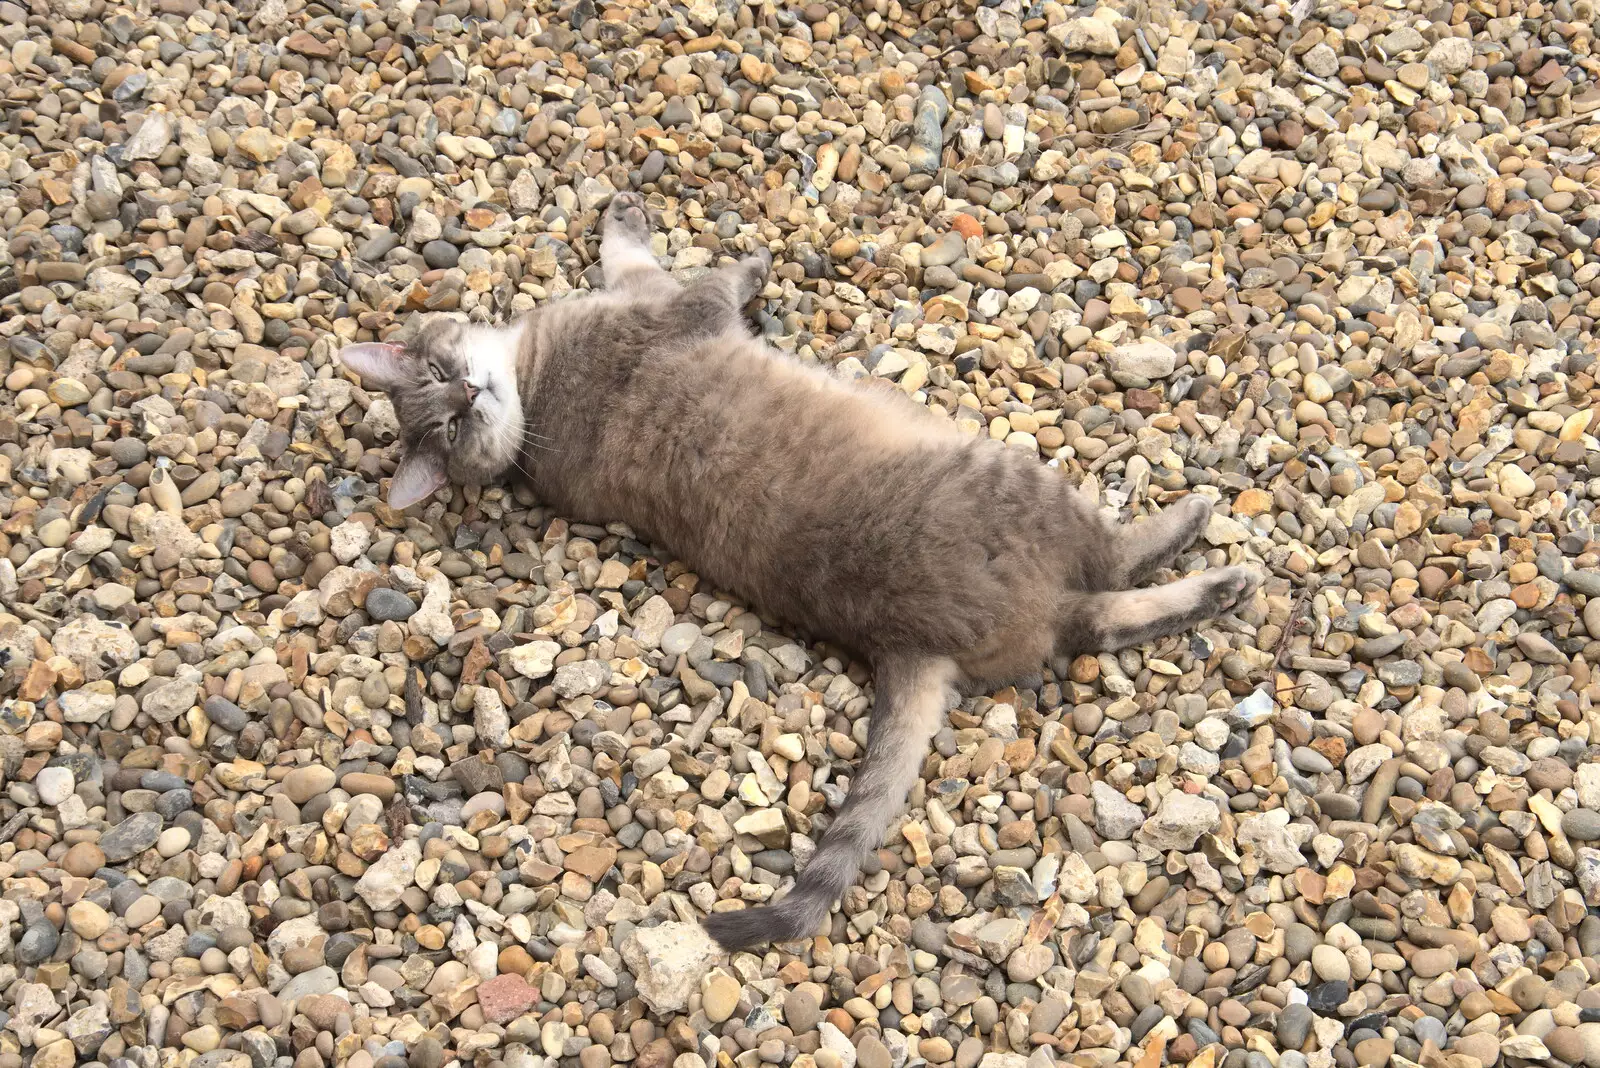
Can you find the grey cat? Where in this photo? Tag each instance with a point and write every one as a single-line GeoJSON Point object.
{"type": "Point", "coordinates": [949, 563]}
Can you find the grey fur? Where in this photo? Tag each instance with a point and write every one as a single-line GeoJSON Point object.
{"type": "Point", "coordinates": [950, 563]}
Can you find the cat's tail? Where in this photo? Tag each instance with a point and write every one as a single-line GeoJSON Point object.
{"type": "Point", "coordinates": [912, 698]}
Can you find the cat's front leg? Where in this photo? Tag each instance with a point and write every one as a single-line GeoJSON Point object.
{"type": "Point", "coordinates": [625, 255]}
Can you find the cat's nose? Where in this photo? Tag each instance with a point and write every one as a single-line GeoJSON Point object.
{"type": "Point", "coordinates": [470, 390]}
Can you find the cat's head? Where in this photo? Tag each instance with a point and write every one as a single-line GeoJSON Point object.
{"type": "Point", "coordinates": [454, 388]}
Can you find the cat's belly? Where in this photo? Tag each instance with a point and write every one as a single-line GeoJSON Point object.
{"type": "Point", "coordinates": [852, 513]}
{"type": "Point", "coordinates": [926, 547]}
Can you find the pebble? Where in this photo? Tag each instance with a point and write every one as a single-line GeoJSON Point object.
{"type": "Point", "coordinates": [720, 997]}
{"type": "Point", "coordinates": [386, 605]}
{"type": "Point", "coordinates": [55, 785]}
{"type": "Point", "coordinates": [303, 784]}
{"type": "Point", "coordinates": [1582, 824]}
{"type": "Point", "coordinates": [801, 1011]}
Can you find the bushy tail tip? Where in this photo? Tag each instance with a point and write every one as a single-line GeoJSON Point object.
{"type": "Point", "coordinates": [796, 916]}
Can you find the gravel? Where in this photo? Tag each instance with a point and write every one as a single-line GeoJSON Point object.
{"type": "Point", "coordinates": [291, 780]}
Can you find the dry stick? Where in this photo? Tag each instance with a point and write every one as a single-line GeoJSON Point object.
{"type": "Point", "coordinates": [1330, 87]}
{"type": "Point", "coordinates": [1289, 625]}
{"type": "Point", "coordinates": [1534, 131]}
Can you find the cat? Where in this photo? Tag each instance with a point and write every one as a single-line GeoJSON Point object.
{"type": "Point", "coordinates": [950, 563]}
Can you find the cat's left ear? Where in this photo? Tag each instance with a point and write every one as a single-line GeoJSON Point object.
{"type": "Point", "coordinates": [380, 365]}
{"type": "Point", "coordinates": [420, 475]}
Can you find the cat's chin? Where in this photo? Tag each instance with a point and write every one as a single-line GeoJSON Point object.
{"type": "Point", "coordinates": [505, 433]}
{"type": "Point", "coordinates": [482, 469]}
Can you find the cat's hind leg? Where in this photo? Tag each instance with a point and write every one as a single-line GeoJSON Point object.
{"type": "Point", "coordinates": [1153, 543]}
{"type": "Point", "coordinates": [1106, 622]}
{"type": "Point", "coordinates": [625, 255]}
{"type": "Point", "coordinates": [717, 301]}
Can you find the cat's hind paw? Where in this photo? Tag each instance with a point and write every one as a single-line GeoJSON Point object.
{"type": "Point", "coordinates": [1229, 587]}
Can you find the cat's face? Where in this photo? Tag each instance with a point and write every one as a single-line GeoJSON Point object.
{"type": "Point", "coordinates": [454, 389]}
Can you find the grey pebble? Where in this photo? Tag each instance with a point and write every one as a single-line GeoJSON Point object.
{"type": "Point", "coordinates": [384, 604]}
{"type": "Point", "coordinates": [132, 836]}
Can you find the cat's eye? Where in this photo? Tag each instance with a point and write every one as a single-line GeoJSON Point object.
{"type": "Point", "coordinates": [438, 372]}
{"type": "Point", "coordinates": [450, 431]}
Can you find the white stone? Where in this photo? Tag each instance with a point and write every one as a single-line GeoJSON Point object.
{"type": "Point", "coordinates": [170, 700]}
{"type": "Point", "coordinates": [1272, 843]}
{"type": "Point", "coordinates": [432, 620]}
{"type": "Point", "coordinates": [389, 877]}
{"type": "Point", "coordinates": [98, 648]}
{"type": "Point", "coordinates": [151, 139]}
{"type": "Point", "coordinates": [534, 660]}
{"type": "Point", "coordinates": [1115, 817]}
{"type": "Point", "coordinates": [1515, 482]}
{"type": "Point", "coordinates": [1180, 821]}
{"type": "Point", "coordinates": [1451, 55]}
{"type": "Point", "coordinates": [651, 621]}
{"type": "Point", "coordinates": [55, 785]}
{"type": "Point", "coordinates": [1144, 359]}
{"type": "Point", "coordinates": [668, 962]}
{"type": "Point", "coordinates": [91, 704]}
{"type": "Point", "coordinates": [1225, 530]}
{"type": "Point", "coordinates": [834, 1041]}
{"type": "Point", "coordinates": [1092, 35]}
{"type": "Point", "coordinates": [584, 677]}
{"type": "Point", "coordinates": [490, 721]}
{"type": "Point", "coordinates": [349, 540]}
{"type": "Point", "coordinates": [34, 1005]}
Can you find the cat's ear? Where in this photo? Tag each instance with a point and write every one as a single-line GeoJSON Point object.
{"type": "Point", "coordinates": [420, 475]}
{"type": "Point", "coordinates": [380, 365]}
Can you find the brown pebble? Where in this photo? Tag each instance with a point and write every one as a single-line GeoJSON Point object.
{"type": "Point", "coordinates": [83, 860]}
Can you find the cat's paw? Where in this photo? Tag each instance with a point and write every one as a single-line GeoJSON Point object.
{"type": "Point", "coordinates": [758, 263]}
{"type": "Point", "coordinates": [626, 216]}
{"type": "Point", "coordinates": [1227, 588]}
{"type": "Point", "coordinates": [756, 268]}
{"type": "Point", "coordinates": [1191, 515]}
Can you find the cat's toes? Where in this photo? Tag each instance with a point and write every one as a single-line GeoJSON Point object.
{"type": "Point", "coordinates": [757, 268]}
{"type": "Point", "coordinates": [1229, 587]}
{"type": "Point", "coordinates": [626, 216]}
{"type": "Point", "coordinates": [759, 263]}
{"type": "Point", "coordinates": [1194, 513]}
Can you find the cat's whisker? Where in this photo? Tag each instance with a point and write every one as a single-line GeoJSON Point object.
{"type": "Point", "coordinates": [521, 438]}
{"type": "Point", "coordinates": [541, 443]}
{"type": "Point", "coordinates": [519, 467]}
{"type": "Point", "coordinates": [528, 437]}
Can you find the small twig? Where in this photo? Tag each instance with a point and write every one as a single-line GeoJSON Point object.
{"type": "Point", "coordinates": [1534, 131]}
{"type": "Point", "coordinates": [1328, 87]}
{"type": "Point", "coordinates": [1289, 625]}
{"type": "Point", "coordinates": [829, 83]}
